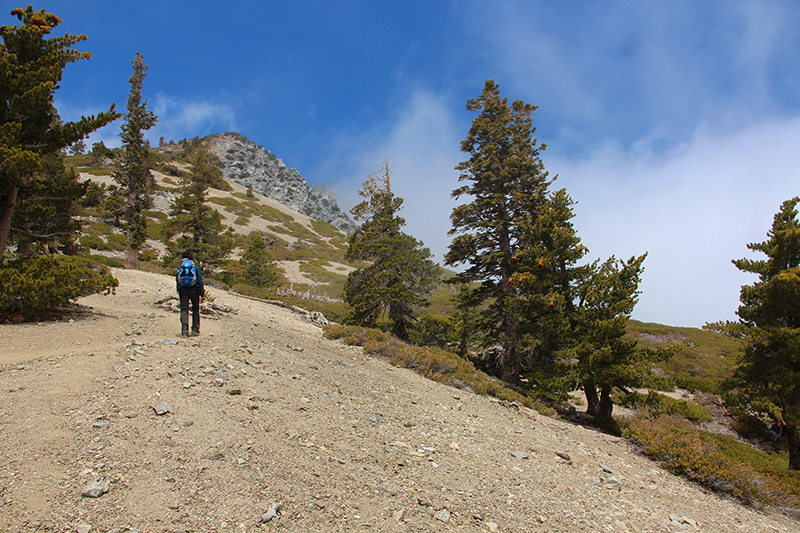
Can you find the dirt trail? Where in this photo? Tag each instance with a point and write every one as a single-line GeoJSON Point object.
{"type": "Point", "coordinates": [261, 411]}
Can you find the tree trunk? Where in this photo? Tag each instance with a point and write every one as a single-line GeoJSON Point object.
{"type": "Point", "coordinates": [510, 363]}
{"type": "Point", "coordinates": [598, 406]}
{"type": "Point", "coordinates": [5, 222]}
{"type": "Point", "coordinates": [606, 405]}
{"type": "Point", "coordinates": [131, 257]}
{"type": "Point", "coordinates": [592, 399]}
{"type": "Point", "coordinates": [793, 440]}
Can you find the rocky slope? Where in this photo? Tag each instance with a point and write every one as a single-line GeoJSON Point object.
{"type": "Point", "coordinates": [252, 165]}
{"type": "Point", "coordinates": [109, 422]}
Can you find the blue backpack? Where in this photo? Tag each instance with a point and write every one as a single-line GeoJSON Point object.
{"type": "Point", "coordinates": [187, 274]}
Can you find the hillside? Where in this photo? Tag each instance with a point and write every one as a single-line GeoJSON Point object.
{"type": "Point", "coordinates": [309, 252]}
{"type": "Point", "coordinates": [209, 433]}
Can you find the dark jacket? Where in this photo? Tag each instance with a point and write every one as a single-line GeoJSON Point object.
{"type": "Point", "coordinates": [199, 286]}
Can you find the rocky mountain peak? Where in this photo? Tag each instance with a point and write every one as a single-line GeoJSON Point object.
{"type": "Point", "coordinates": [251, 165]}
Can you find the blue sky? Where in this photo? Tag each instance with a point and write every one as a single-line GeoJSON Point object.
{"type": "Point", "coordinates": [674, 125]}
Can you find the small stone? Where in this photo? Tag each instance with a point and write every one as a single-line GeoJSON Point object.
{"type": "Point", "coordinates": [443, 515]}
{"type": "Point", "coordinates": [83, 528]}
{"type": "Point", "coordinates": [101, 424]}
{"type": "Point", "coordinates": [162, 409]}
{"type": "Point", "coordinates": [95, 489]}
{"type": "Point", "coordinates": [170, 341]}
{"type": "Point", "coordinates": [609, 470]}
{"type": "Point", "coordinates": [491, 526]}
{"type": "Point", "coordinates": [272, 513]}
{"type": "Point", "coordinates": [564, 455]}
{"type": "Point", "coordinates": [398, 515]}
{"type": "Point", "coordinates": [219, 382]}
{"type": "Point", "coordinates": [611, 483]}
{"type": "Point", "coordinates": [520, 454]}
{"type": "Point", "coordinates": [235, 392]}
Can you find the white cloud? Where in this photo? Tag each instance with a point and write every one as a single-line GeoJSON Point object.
{"type": "Point", "coordinates": [624, 70]}
{"type": "Point", "coordinates": [422, 146]}
{"type": "Point", "coordinates": [180, 118]}
{"type": "Point", "coordinates": [693, 210]}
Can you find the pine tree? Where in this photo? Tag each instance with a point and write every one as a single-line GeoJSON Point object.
{"type": "Point", "coordinates": [506, 182]}
{"type": "Point", "coordinates": [606, 358]}
{"type": "Point", "coordinates": [133, 166]}
{"type": "Point", "coordinates": [197, 225]}
{"type": "Point", "coordinates": [548, 280]}
{"type": "Point", "coordinates": [767, 378]}
{"type": "Point", "coordinates": [31, 67]}
{"type": "Point", "coordinates": [400, 275]}
{"type": "Point", "coordinates": [259, 270]}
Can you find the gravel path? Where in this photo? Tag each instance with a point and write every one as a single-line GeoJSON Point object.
{"type": "Point", "coordinates": [260, 424]}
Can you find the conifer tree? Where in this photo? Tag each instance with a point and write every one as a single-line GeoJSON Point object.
{"type": "Point", "coordinates": [505, 180]}
{"type": "Point", "coordinates": [259, 269]}
{"type": "Point", "coordinates": [548, 280]}
{"type": "Point", "coordinates": [400, 275]}
{"type": "Point", "coordinates": [31, 66]}
{"type": "Point", "coordinates": [46, 209]}
{"type": "Point", "coordinates": [767, 379]}
{"type": "Point", "coordinates": [133, 166]}
{"type": "Point", "coordinates": [606, 358]}
{"type": "Point", "coordinates": [197, 225]}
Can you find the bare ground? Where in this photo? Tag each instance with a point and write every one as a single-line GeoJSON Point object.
{"type": "Point", "coordinates": [263, 412]}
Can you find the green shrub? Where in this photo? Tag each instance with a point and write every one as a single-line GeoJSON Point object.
{"type": "Point", "coordinates": [656, 404]}
{"type": "Point", "coordinates": [715, 461]}
{"type": "Point", "coordinates": [147, 255]}
{"type": "Point", "coordinates": [117, 242]}
{"type": "Point", "coordinates": [31, 285]}
{"type": "Point", "coordinates": [92, 242]}
{"type": "Point", "coordinates": [112, 262]}
{"type": "Point", "coordinates": [171, 170]}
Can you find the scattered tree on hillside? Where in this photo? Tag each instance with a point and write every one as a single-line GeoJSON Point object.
{"type": "Point", "coordinates": [259, 269]}
{"type": "Point", "coordinates": [197, 225]}
{"type": "Point", "coordinates": [113, 206]}
{"type": "Point", "coordinates": [77, 148]}
{"type": "Point", "coordinates": [400, 275]}
{"type": "Point", "coordinates": [134, 164]}
{"type": "Point", "coordinates": [767, 379]}
{"type": "Point", "coordinates": [100, 154]}
{"type": "Point", "coordinates": [505, 181]}
{"type": "Point", "coordinates": [31, 67]}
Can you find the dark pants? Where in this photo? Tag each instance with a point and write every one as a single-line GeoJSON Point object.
{"type": "Point", "coordinates": [190, 295]}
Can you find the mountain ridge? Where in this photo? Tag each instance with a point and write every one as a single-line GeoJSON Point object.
{"type": "Point", "coordinates": [253, 166]}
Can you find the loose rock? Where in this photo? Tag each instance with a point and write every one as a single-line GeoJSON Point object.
{"type": "Point", "coordinates": [95, 489]}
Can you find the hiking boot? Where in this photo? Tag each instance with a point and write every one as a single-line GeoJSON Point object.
{"type": "Point", "coordinates": [185, 335]}
{"type": "Point", "coordinates": [195, 333]}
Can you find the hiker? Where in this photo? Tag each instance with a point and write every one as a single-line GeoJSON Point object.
{"type": "Point", "coordinates": [189, 280]}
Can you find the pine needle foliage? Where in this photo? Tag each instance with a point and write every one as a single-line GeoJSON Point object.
{"type": "Point", "coordinates": [193, 224]}
{"type": "Point", "coordinates": [31, 285]}
{"type": "Point", "coordinates": [766, 382]}
{"type": "Point", "coordinates": [400, 275]}
{"type": "Point", "coordinates": [31, 67]}
{"type": "Point", "coordinates": [134, 164]}
{"type": "Point", "coordinates": [505, 180]}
